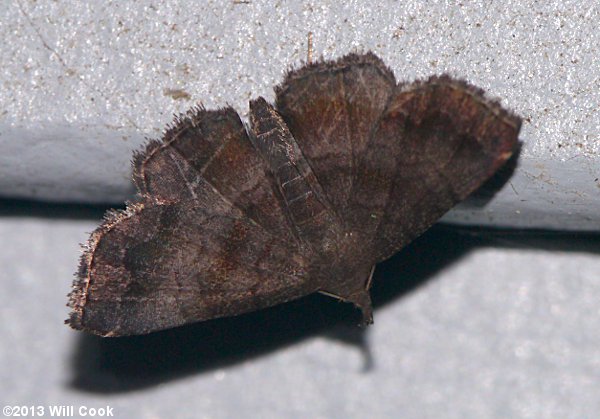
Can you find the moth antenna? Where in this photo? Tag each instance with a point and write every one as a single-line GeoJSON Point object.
{"type": "Point", "coordinates": [309, 49]}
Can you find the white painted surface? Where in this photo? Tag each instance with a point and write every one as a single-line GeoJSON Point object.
{"type": "Point", "coordinates": [83, 85]}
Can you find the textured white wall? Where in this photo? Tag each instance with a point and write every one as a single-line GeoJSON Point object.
{"type": "Point", "coordinates": [82, 85]}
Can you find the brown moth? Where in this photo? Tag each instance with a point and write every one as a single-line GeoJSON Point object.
{"type": "Point", "coordinates": [344, 171]}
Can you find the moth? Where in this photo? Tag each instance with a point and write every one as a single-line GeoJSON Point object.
{"type": "Point", "coordinates": [340, 174]}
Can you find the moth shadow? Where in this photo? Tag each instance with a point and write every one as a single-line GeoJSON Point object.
{"type": "Point", "coordinates": [113, 365]}
{"type": "Point", "coordinates": [38, 209]}
{"type": "Point", "coordinates": [110, 365]}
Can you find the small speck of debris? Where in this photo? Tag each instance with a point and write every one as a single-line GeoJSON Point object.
{"type": "Point", "coordinates": [398, 32]}
{"type": "Point", "coordinates": [177, 94]}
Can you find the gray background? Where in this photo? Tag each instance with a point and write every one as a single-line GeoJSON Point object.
{"type": "Point", "coordinates": [467, 324]}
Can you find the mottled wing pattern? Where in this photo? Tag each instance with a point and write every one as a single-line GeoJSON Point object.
{"type": "Point", "coordinates": [206, 152]}
{"type": "Point", "coordinates": [158, 266]}
{"type": "Point", "coordinates": [348, 170]}
{"type": "Point", "coordinates": [331, 109]}
{"type": "Point", "coordinates": [210, 236]}
{"type": "Point", "coordinates": [435, 143]}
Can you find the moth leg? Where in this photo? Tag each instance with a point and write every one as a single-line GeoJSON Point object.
{"type": "Point", "coordinates": [362, 300]}
{"type": "Point", "coordinates": [370, 280]}
{"type": "Point", "coordinates": [360, 297]}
